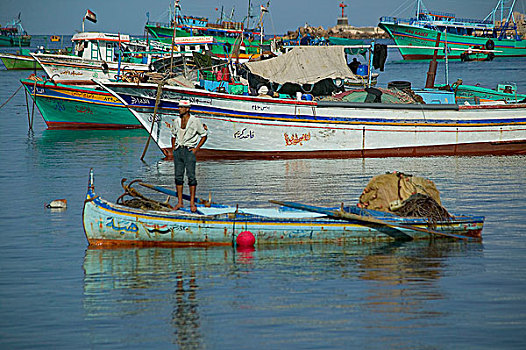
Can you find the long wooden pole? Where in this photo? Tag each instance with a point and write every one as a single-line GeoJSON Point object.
{"type": "Point", "coordinates": [157, 99]}
{"type": "Point", "coordinates": [340, 214]}
{"type": "Point", "coordinates": [432, 71]}
{"type": "Point", "coordinates": [173, 37]}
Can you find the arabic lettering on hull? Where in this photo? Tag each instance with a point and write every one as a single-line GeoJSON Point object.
{"type": "Point", "coordinates": [294, 139]}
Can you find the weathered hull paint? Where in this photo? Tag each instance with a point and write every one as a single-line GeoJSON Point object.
{"type": "Point", "coordinates": [111, 225]}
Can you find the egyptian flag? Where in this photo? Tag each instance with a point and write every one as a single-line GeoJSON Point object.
{"type": "Point", "coordinates": [264, 9]}
{"type": "Point", "coordinates": [91, 16]}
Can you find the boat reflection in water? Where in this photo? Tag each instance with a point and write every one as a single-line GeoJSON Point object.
{"type": "Point", "coordinates": [186, 296]}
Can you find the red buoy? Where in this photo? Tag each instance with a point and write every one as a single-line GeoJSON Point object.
{"type": "Point", "coordinates": [246, 239]}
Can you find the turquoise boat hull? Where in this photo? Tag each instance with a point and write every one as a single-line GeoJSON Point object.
{"type": "Point", "coordinates": [406, 35]}
{"type": "Point", "coordinates": [12, 41]}
{"type": "Point", "coordinates": [79, 107]}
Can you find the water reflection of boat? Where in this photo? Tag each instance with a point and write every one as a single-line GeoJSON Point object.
{"type": "Point", "coordinates": [179, 287]}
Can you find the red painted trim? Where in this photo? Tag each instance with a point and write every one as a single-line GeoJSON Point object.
{"type": "Point", "coordinates": [426, 57]}
{"type": "Point", "coordinates": [117, 243]}
{"type": "Point", "coordinates": [467, 149]}
{"type": "Point", "coordinates": [91, 126]}
{"type": "Point", "coordinates": [506, 106]}
{"type": "Point", "coordinates": [54, 85]}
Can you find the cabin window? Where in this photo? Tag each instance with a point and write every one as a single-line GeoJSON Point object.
{"type": "Point", "coordinates": [95, 51]}
{"type": "Point", "coordinates": [109, 51]}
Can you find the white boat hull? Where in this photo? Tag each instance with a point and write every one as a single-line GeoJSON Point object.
{"type": "Point", "coordinates": [241, 126]}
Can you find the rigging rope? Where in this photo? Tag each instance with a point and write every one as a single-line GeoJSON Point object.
{"type": "Point", "coordinates": [13, 95]}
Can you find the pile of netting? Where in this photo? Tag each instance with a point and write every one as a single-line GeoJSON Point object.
{"type": "Point", "coordinates": [134, 199]}
{"type": "Point", "coordinates": [404, 195]}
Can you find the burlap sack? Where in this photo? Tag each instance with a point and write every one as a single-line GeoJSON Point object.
{"type": "Point", "coordinates": [393, 188]}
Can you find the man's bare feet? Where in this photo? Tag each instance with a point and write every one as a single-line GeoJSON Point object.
{"type": "Point", "coordinates": [178, 206]}
{"type": "Point", "coordinates": [193, 208]}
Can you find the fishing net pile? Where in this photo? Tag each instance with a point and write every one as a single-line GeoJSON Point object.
{"type": "Point", "coordinates": [404, 195]}
{"type": "Point", "coordinates": [134, 199]}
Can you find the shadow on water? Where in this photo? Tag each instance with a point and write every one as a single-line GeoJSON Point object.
{"type": "Point", "coordinates": [119, 283]}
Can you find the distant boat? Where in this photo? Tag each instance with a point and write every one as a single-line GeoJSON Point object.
{"type": "Point", "coordinates": [96, 55]}
{"type": "Point", "coordinates": [14, 34]}
{"type": "Point", "coordinates": [497, 35]}
{"type": "Point", "coordinates": [473, 94]}
{"type": "Point", "coordinates": [23, 60]}
{"type": "Point", "coordinates": [226, 34]}
{"type": "Point", "coordinates": [476, 55]}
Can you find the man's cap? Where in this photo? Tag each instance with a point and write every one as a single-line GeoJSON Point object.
{"type": "Point", "coordinates": [184, 103]}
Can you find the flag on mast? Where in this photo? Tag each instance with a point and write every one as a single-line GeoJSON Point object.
{"type": "Point", "coordinates": [264, 9]}
{"type": "Point", "coordinates": [91, 16]}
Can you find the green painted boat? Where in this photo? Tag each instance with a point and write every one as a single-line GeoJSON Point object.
{"type": "Point", "coordinates": [498, 36]}
{"type": "Point", "coordinates": [19, 62]}
{"type": "Point", "coordinates": [13, 34]}
{"type": "Point", "coordinates": [475, 94]}
{"type": "Point", "coordinates": [78, 106]}
{"type": "Point", "coordinates": [226, 35]}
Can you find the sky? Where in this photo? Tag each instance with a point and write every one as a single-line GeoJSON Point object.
{"type": "Point", "coordinates": [64, 17]}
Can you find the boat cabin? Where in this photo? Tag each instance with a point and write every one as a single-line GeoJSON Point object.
{"type": "Point", "coordinates": [98, 46]}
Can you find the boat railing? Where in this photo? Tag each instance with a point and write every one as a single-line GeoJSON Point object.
{"type": "Point", "coordinates": [159, 24]}
{"type": "Point", "coordinates": [396, 20]}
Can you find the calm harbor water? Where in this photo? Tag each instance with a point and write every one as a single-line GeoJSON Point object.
{"type": "Point", "coordinates": [57, 293]}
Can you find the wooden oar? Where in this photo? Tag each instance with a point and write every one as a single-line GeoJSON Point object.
{"type": "Point", "coordinates": [172, 192]}
{"type": "Point", "coordinates": [340, 214]}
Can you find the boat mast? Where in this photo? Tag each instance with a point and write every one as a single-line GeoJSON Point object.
{"type": "Point", "coordinates": [248, 13]}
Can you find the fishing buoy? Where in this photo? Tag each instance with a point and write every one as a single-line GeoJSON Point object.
{"type": "Point", "coordinates": [245, 239]}
{"type": "Point", "coordinates": [58, 204]}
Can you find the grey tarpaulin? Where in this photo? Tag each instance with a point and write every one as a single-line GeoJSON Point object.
{"type": "Point", "coordinates": [304, 65]}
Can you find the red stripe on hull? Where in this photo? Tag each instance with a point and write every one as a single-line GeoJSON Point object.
{"type": "Point", "coordinates": [68, 125]}
{"type": "Point", "coordinates": [468, 149]}
{"type": "Point", "coordinates": [117, 243]}
{"type": "Point", "coordinates": [453, 57]}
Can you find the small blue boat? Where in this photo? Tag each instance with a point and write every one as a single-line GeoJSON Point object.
{"type": "Point", "coordinates": [110, 225]}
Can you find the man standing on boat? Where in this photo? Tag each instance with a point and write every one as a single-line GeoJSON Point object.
{"type": "Point", "coordinates": [188, 135]}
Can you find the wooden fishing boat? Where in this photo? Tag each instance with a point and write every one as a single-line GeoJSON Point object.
{"type": "Point", "coordinates": [505, 92]}
{"type": "Point", "coordinates": [13, 34]}
{"type": "Point", "coordinates": [110, 224]}
{"type": "Point", "coordinates": [264, 127]}
{"type": "Point", "coordinates": [96, 55]}
{"type": "Point", "coordinates": [19, 61]}
{"type": "Point", "coordinates": [497, 33]}
{"type": "Point", "coordinates": [477, 56]}
{"type": "Point", "coordinates": [78, 106]}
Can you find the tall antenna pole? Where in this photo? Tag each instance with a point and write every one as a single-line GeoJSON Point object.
{"type": "Point", "coordinates": [176, 3]}
{"type": "Point", "coordinates": [248, 13]}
